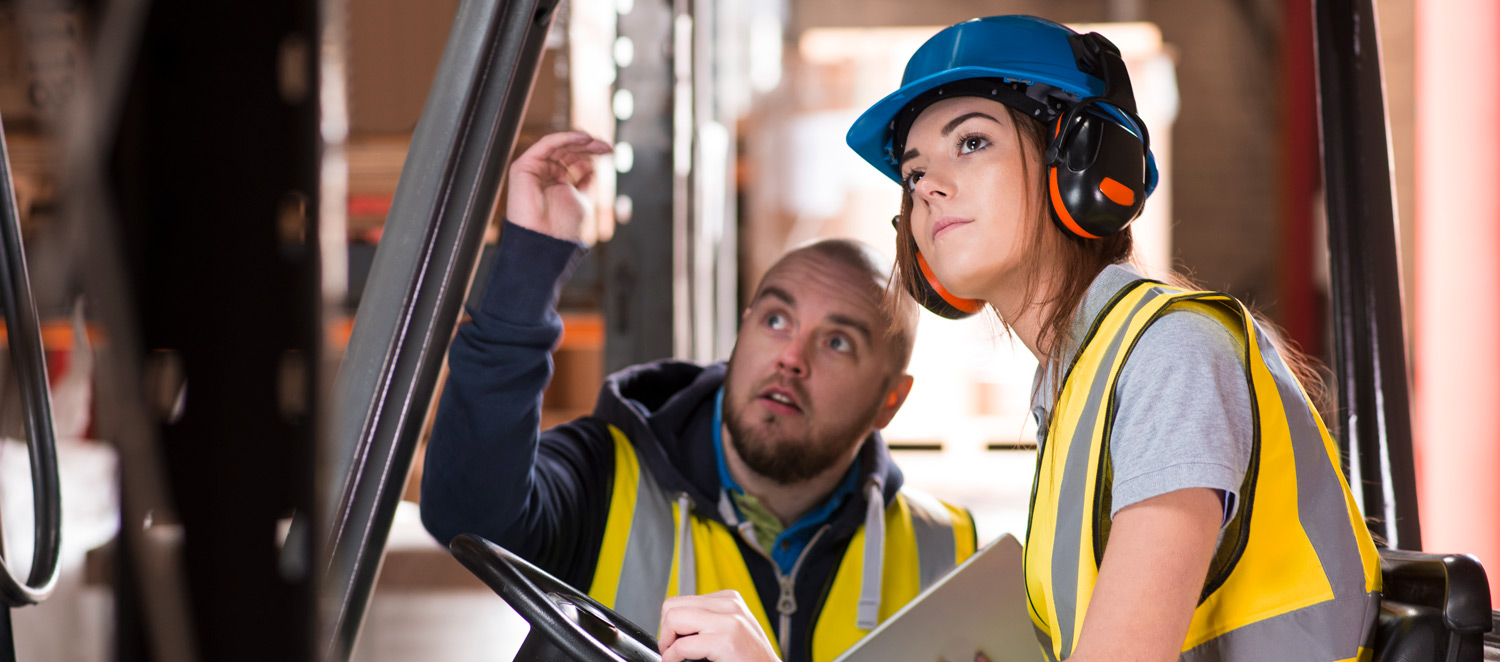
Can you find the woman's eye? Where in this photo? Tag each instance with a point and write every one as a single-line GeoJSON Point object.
{"type": "Point", "coordinates": [912, 179]}
{"type": "Point", "coordinates": [972, 144]}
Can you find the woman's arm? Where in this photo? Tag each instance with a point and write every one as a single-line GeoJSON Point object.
{"type": "Point", "coordinates": [1153, 571]}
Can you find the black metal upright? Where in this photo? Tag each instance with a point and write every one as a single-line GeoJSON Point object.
{"type": "Point", "coordinates": [410, 306]}
{"type": "Point", "coordinates": [213, 177]}
{"type": "Point", "coordinates": [1374, 419]}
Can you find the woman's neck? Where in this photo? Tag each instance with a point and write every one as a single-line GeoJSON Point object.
{"type": "Point", "coordinates": [1027, 319]}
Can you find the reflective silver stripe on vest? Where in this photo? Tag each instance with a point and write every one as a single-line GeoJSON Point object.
{"type": "Point", "coordinates": [1316, 633]}
{"type": "Point", "coordinates": [867, 612]}
{"type": "Point", "coordinates": [937, 549]}
{"type": "Point", "coordinates": [648, 555]}
{"type": "Point", "coordinates": [1045, 641]}
{"type": "Point", "coordinates": [649, 549]}
{"type": "Point", "coordinates": [1074, 485]}
{"type": "Point", "coordinates": [1317, 482]}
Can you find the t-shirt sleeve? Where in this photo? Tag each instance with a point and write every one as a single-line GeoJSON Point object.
{"type": "Point", "coordinates": [1184, 416]}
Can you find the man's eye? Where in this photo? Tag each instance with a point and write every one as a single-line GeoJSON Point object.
{"type": "Point", "coordinates": [840, 344]}
{"type": "Point", "coordinates": [776, 321]}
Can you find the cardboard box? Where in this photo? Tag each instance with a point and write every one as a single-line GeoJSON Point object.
{"type": "Point", "coordinates": [394, 51]}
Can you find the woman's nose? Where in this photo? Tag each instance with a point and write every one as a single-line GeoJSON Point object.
{"type": "Point", "coordinates": [934, 185]}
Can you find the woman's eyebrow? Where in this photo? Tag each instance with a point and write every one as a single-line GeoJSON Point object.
{"type": "Point", "coordinates": [947, 129]}
{"type": "Point", "coordinates": [953, 124]}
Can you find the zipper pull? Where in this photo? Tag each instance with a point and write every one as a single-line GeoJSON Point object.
{"type": "Point", "coordinates": [786, 605]}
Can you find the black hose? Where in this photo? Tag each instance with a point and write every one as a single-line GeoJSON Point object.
{"type": "Point", "coordinates": [26, 355]}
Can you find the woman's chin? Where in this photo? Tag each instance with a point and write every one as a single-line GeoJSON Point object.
{"type": "Point", "coordinates": [962, 285]}
{"type": "Point", "coordinates": [965, 278]}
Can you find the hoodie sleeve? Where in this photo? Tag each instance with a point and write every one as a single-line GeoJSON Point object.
{"type": "Point", "coordinates": [487, 470]}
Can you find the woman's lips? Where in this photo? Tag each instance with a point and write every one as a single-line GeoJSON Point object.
{"type": "Point", "coordinates": [947, 223]}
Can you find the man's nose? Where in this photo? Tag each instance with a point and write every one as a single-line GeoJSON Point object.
{"type": "Point", "coordinates": [793, 357]}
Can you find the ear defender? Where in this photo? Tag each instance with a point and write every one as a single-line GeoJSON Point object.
{"type": "Point", "coordinates": [1096, 166]}
{"type": "Point", "coordinates": [926, 289]}
{"type": "Point", "coordinates": [1096, 175]}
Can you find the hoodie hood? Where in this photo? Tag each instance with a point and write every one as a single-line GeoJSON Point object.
{"type": "Point", "coordinates": [666, 410]}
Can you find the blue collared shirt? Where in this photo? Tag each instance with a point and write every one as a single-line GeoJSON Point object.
{"type": "Point", "coordinates": [793, 539]}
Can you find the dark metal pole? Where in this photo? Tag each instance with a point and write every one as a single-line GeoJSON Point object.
{"type": "Point", "coordinates": [214, 180]}
{"type": "Point", "coordinates": [1374, 425]}
{"type": "Point", "coordinates": [7, 637]}
{"type": "Point", "coordinates": [422, 267]}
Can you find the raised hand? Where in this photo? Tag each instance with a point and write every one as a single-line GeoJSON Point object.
{"type": "Point", "coordinates": [717, 626]}
{"type": "Point", "coordinates": [546, 183]}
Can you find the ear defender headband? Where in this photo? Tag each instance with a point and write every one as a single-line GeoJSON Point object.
{"type": "Point", "coordinates": [1098, 162]}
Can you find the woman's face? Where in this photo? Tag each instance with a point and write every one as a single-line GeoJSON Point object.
{"type": "Point", "coordinates": [972, 207]}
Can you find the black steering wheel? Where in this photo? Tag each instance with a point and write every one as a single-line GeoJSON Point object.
{"type": "Point", "coordinates": [565, 623]}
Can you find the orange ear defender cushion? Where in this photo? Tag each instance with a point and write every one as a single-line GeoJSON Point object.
{"type": "Point", "coordinates": [938, 299]}
{"type": "Point", "coordinates": [931, 293]}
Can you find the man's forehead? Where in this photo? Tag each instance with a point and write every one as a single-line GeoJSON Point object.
{"type": "Point", "coordinates": [810, 276]}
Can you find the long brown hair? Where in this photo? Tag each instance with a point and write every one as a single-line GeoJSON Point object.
{"type": "Point", "coordinates": [1073, 263]}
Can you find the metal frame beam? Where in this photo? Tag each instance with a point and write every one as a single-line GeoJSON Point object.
{"type": "Point", "coordinates": [1374, 421]}
{"type": "Point", "coordinates": [410, 307]}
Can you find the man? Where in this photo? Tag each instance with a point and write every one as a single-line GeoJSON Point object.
{"type": "Point", "coordinates": [760, 486]}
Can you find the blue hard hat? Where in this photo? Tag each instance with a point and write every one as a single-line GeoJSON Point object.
{"type": "Point", "coordinates": [1030, 53]}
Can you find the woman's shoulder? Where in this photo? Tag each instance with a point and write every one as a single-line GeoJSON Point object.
{"type": "Point", "coordinates": [1185, 340]}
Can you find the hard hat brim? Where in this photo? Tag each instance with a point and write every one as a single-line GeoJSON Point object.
{"type": "Point", "coordinates": [870, 135]}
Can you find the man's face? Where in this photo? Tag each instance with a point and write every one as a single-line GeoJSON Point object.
{"type": "Point", "coordinates": [812, 369]}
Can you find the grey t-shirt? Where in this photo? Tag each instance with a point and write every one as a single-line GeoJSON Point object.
{"type": "Point", "coordinates": [1184, 415]}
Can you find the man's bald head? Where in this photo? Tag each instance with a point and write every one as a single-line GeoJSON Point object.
{"type": "Point", "coordinates": [867, 272]}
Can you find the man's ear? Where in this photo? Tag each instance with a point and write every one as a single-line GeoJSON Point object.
{"type": "Point", "coordinates": [894, 398]}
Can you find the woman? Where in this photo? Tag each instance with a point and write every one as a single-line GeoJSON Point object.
{"type": "Point", "coordinates": [1188, 500]}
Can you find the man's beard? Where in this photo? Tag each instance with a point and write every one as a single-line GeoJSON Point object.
{"type": "Point", "coordinates": [788, 460]}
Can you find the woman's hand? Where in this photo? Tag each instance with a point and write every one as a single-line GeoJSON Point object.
{"type": "Point", "coordinates": [1153, 570]}
{"type": "Point", "coordinates": [717, 626]}
{"type": "Point", "coordinates": [546, 183]}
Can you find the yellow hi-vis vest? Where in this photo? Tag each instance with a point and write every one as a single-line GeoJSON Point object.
{"type": "Point", "coordinates": [656, 547]}
{"type": "Point", "coordinates": [1296, 576]}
